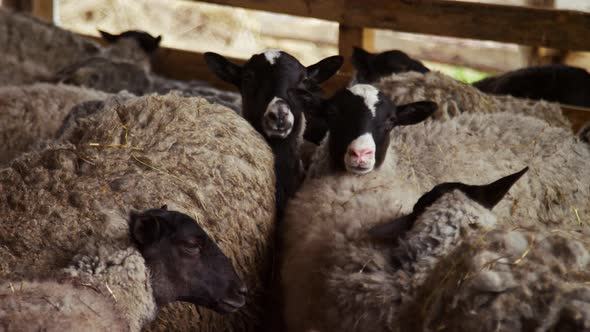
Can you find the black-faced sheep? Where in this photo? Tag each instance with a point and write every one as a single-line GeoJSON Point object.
{"type": "Point", "coordinates": [194, 156]}
{"type": "Point", "coordinates": [470, 147]}
{"type": "Point", "coordinates": [263, 82]}
{"type": "Point", "coordinates": [182, 264]}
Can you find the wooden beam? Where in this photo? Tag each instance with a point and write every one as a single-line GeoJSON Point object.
{"type": "Point", "coordinates": [353, 36]}
{"type": "Point", "coordinates": [562, 29]}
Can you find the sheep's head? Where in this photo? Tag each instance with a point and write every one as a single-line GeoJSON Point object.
{"type": "Point", "coordinates": [360, 119]}
{"type": "Point", "coordinates": [370, 68]}
{"type": "Point", "coordinates": [264, 81]}
{"type": "Point", "coordinates": [466, 201]}
{"type": "Point", "coordinates": [186, 265]}
{"type": "Point", "coordinates": [148, 43]}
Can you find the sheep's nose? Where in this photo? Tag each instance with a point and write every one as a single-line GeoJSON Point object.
{"type": "Point", "coordinates": [243, 290]}
{"type": "Point", "coordinates": [360, 153]}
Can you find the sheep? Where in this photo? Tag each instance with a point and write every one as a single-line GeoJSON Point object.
{"type": "Point", "coordinates": [113, 76]}
{"type": "Point", "coordinates": [263, 82]}
{"type": "Point", "coordinates": [470, 147]}
{"type": "Point", "coordinates": [176, 252]}
{"type": "Point", "coordinates": [133, 46]}
{"type": "Point", "coordinates": [32, 113]}
{"type": "Point", "coordinates": [133, 155]}
{"type": "Point", "coordinates": [348, 269]}
{"type": "Point", "coordinates": [454, 98]}
{"type": "Point", "coordinates": [33, 50]}
{"type": "Point", "coordinates": [555, 83]}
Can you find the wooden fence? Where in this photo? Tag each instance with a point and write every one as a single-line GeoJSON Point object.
{"type": "Point", "coordinates": [528, 26]}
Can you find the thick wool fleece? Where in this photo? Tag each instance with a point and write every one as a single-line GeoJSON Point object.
{"type": "Point", "coordinates": [325, 213]}
{"type": "Point", "coordinates": [458, 269]}
{"type": "Point", "coordinates": [73, 199]}
{"type": "Point", "coordinates": [480, 148]}
{"type": "Point", "coordinates": [454, 98]}
{"type": "Point", "coordinates": [56, 306]}
{"type": "Point", "coordinates": [507, 279]}
{"type": "Point", "coordinates": [32, 113]}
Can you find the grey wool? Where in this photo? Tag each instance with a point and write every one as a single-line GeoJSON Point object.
{"type": "Point", "coordinates": [67, 205]}
{"type": "Point", "coordinates": [32, 113]}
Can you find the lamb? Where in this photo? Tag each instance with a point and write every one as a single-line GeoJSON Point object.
{"type": "Point", "coordinates": [349, 273]}
{"type": "Point", "coordinates": [133, 46]}
{"type": "Point", "coordinates": [32, 113]}
{"type": "Point", "coordinates": [133, 155]}
{"type": "Point", "coordinates": [263, 83]}
{"type": "Point", "coordinates": [114, 76]}
{"type": "Point", "coordinates": [471, 147]}
{"type": "Point", "coordinates": [33, 50]}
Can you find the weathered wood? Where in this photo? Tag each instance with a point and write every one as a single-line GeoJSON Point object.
{"type": "Point", "coordinates": [563, 29]}
{"type": "Point", "coordinates": [42, 9]}
{"type": "Point", "coordinates": [18, 5]}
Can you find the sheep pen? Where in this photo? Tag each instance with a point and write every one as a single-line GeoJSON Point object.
{"type": "Point", "coordinates": [66, 206]}
{"type": "Point", "coordinates": [35, 112]}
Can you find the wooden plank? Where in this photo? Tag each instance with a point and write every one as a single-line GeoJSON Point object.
{"type": "Point", "coordinates": [43, 9]}
{"type": "Point", "coordinates": [578, 116]}
{"type": "Point", "coordinates": [562, 29]}
{"type": "Point", "coordinates": [17, 5]}
{"type": "Point", "coordinates": [353, 36]}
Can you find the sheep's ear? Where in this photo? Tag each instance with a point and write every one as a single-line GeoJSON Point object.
{"type": "Point", "coordinates": [108, 37]}
{"type": "Point", "coordinates": [393, 230]}
{"type": "Point", "coordinates": [310, 105]}
{"type": "Point", "coordinates": [164, 207]}
{"type": "Point", "coordinates": [158, 40]}
{"type": "Point", "coordinates": [223, 68]}
{"type": "Point", "coordinates": [491, 194]}
{"type": "Point", "coordinates": [414, 113]}
{"type": "Point", "coordinates": [360, 59]}
{"type": "Point", "coordinates": [145, 229]}
{"type": "Point", "coordinates": [325, 69]}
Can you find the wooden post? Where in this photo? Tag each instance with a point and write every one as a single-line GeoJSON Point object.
{"type": "Point", "coordinates": [353, 36]}
{"type": "Point", "coordinates": [42, 9]}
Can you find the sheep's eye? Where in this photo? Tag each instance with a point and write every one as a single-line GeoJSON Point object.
{"type": "Point", "coordinates": [191, 248]}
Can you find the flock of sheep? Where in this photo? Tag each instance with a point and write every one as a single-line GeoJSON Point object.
{"type": "Point", "coordinates": [406, 201]}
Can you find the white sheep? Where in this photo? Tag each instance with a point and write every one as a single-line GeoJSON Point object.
{"type": "Point", "coordinates": [196, 157]}
{"type": "Point", "coordinates": [469, 147]}
{"type": "Point", "coordinates": [35, 112]}
{"type": "Point", "coordinates": [338, 275]}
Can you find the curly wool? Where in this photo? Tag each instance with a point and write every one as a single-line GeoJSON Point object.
{"type": "Point", "coordinates": [141, 153]}
{"type": "Point", "coordinates": [454, 98]}
{"type": "Point", "coordinates": [32, 113]}
{"type": "Point", "coordinates": [56, 306]}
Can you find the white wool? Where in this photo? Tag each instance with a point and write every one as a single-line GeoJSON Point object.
{"type": "Point", "coordinates": [272, 56]}
{"type": "Point", "coordinates": [369, 93]}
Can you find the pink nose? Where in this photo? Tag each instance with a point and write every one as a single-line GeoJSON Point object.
{"type": "Point", "coordinates": [360, 157]}
{"type": "Point", "coordinates": [360, 153]}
